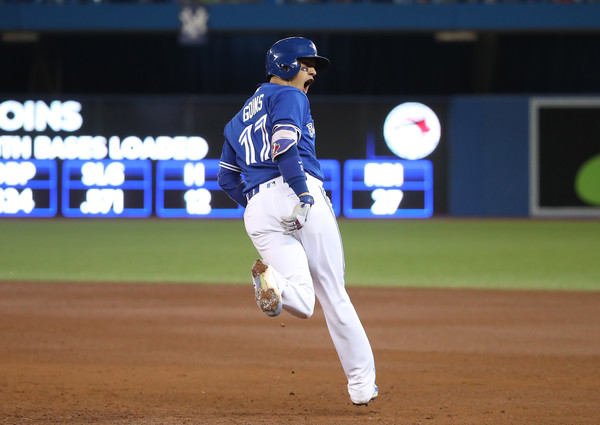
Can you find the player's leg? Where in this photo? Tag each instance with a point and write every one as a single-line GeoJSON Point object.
{"type": "Point", "coordinates": [289, 269]}
{"type": "Point", "coordinates": [323, 245]}
{"type": "Point", "coordinates": [283, 253]}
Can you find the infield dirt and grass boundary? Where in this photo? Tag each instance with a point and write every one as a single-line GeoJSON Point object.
{"type": "Point", "coordinates": [471, 322]}
{"type": "Point", "coordinates": [488, 253]}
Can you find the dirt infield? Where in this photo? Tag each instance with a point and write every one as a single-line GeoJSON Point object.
{"type": "Point", "coordinates": [195, 354]}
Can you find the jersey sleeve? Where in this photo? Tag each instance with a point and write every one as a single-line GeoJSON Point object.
{"type": "Point", "coordinates": [228, 158]}
{"type": "Point", "coordinates": [229, 177]}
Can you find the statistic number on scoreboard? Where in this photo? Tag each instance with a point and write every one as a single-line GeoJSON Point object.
{"type": "Point", "coordinates": [388, 188]}
{"type": "Point", "coordinates": [107, 188]}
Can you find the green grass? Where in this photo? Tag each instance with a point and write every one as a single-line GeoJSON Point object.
{"type": "Point", "coordinates": [125, 250]}
{"type": "Point", "coordinates": [509, 254]}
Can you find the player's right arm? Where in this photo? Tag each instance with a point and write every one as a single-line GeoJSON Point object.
{"type": "Point", "coordinates": [288, 118]}
{"type": "Point", "coordinates": [288, 114]}
{"type": "Point", "coordinates": [290, 166]}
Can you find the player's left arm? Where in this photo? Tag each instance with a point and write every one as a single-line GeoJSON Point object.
{"type": "Point", "coordinates": [233, 184]}
{"type": "Point", "coordinates": [229, 176]}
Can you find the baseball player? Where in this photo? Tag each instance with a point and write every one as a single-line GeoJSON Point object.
{"type": "Point", "coordinates": [269, 166]}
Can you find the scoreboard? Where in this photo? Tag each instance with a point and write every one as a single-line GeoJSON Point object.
{"type": "Point", "coordinates": [28, 188]}
{"type": "Point", "coordinates": [106, 188]}
{"type": "Point", "coordinates": [127, 188]}
{"type": "Point", "coordinates": [388, 189]}
{"type": "Point", "coordinates": [107, 157]}
{"type": "Point", "coordinates": [190, 189]}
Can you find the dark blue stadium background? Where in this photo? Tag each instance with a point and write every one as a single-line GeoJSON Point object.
{"type": "Point", "coordinates": [363, 64]}
{"type": "Point", "coordinates": [503, 54]}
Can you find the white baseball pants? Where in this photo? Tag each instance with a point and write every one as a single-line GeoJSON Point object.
{"type": "Point", "coordinates": [311, 262]}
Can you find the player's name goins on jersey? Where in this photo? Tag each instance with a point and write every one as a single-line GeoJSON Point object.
{"type": "Point", "coordinates": [253, 107]}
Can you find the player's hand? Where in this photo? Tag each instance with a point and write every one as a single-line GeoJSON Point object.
{"type": "Point", "coordinates": [296, 220]}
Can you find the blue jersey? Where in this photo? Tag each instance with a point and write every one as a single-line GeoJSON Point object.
{"type": "Point", "coordinates": [247, 148]}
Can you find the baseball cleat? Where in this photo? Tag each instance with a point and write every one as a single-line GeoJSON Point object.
{"type": "Point", "coordinates": [266, 291]}
{"type": "Point", "coordinates": [373, 397]}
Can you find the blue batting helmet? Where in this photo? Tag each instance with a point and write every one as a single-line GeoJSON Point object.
{"type": "Point", "coordinates": [282, 57]}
